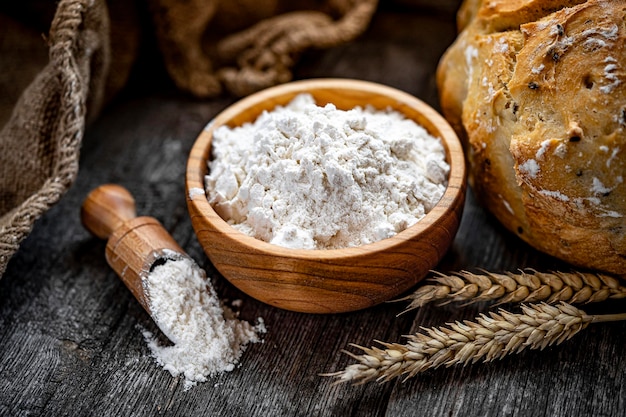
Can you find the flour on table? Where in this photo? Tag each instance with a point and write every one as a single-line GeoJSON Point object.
{"type": "Point", "coordinates": [311, 177]}
{"type": "Point", "coordinates": [207, 337]}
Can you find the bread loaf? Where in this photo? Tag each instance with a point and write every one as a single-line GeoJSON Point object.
{"type": "Point", "coordinates": [537, 91]}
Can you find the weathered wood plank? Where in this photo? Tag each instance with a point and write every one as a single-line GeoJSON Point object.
{"type": "Point", "coordinates": [70, 332]}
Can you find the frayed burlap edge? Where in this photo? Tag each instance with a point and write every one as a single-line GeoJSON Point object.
{"type": "Point", "coordinates": [70, 83]}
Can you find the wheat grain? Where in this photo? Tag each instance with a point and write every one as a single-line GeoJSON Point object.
{"type": "Point", "coordinates": [487, 338]}
{"type": "Point", "coordinates": [527, 286]}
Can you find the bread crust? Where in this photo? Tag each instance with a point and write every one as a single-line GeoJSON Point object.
{"type": "Point", "coordinates": [537, 91]}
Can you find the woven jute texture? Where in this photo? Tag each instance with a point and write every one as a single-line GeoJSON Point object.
{"type": "Point", "coordinates": [243, 46]}
{"type": "Point", "coordinates": [40, 142]}
{"type": "Point", "coordinates": [209, 48]}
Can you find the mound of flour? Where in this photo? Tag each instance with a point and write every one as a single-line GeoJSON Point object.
{"type": "Point", "coordinates": [311, 177]}
{"type": "Point", "coordinates": [207, 338]}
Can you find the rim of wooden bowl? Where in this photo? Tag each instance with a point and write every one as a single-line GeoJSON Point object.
{"type": "Point", "coordinates": [339, 92]}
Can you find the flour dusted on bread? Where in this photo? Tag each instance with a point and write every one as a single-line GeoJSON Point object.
{"type": "Point", "coordinates": [537, 89]}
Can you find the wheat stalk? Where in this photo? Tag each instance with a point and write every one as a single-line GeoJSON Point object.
{"type": "Point", "coordinates": [527, 286]}
{"type": "Point", "coordinates": [487, 338]}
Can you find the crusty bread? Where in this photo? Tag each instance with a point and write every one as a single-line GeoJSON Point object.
{"type": "Point", "coordinates": [537, 91]}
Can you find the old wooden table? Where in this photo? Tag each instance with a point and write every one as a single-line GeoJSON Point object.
{"type": "Point", "coordinates": [70, 332]}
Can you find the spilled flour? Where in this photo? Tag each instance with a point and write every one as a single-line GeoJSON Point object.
{"type": "Point", "coordinates": [311, 177]}
{"type": "Point", "coordinates": [207, 337]}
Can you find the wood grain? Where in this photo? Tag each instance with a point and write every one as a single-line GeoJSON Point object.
{"type": "Point", "coordinates": [106, 209]}
{"type": "Point", "coordinates": [339, 280]}
{"type": "Point", "coordinates": [134, 243]}
{"type": "Point", "coordinates": [70, 330]}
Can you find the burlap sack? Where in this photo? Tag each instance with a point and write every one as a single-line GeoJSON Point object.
{"type": "Point", "coordinates": [209, 47]}
{"type": "Point", "coordinates": [40, 142]}
{"type": "Point", "coordinates": [246, 45]}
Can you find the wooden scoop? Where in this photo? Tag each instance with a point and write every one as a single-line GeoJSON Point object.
{"type": "Point", "coordinates": [135, 244]}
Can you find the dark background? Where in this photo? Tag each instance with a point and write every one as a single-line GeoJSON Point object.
{"type": "Point", "coordinates": [70, 331]}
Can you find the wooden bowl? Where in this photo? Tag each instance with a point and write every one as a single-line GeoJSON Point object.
{"type": "Point", "coordinates": [337, 280]}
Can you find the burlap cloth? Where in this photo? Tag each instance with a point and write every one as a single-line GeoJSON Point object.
{"type": "Point", "coordinates": [209, 47]}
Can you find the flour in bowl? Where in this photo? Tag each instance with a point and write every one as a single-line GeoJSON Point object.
{"type": "Point", "coordinates": [310, 177]}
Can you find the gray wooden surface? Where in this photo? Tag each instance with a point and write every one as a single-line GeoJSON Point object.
{"type": "Point", "coordinates": [70, 332]}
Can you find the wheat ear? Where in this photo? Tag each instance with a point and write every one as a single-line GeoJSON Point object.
{"type": "Point", "coordinates": [487, 338]}
{"type": "Point", "coordinates": [527, 286]}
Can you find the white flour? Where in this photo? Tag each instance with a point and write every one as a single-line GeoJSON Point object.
{"type": "Point", "coordinates": [311, 177]}
{"type": "Point", "coordinates": [208, 339]}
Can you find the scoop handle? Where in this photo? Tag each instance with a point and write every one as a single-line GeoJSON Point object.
{"type": "Point", "coordinates": [134, 243]}
{"type": "Point", "coordinates": [106, 209]}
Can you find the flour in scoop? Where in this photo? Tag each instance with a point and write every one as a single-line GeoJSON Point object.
{"type": "Point", "coordinates": [311, 177]}
{"type": "Point", "coordinates": [207, 337]}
